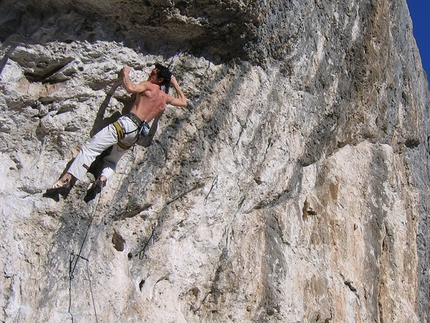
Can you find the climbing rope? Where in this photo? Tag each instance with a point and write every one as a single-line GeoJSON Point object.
{"type": "Point", "coordinates": [73, 262]}
{"type": "Point", "coordinates": [74, 258]}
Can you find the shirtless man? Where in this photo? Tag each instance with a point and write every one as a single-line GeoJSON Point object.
{"type": "Point", "coordinates": [150, 103]}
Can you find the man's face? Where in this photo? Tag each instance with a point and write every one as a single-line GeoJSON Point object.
{"type": "Point", "coordinates": [153, 77]}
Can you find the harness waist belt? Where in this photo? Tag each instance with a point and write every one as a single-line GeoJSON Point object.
{"type": "Point", "coordinates": [135, 119]}
{"type": "Point", "coordinates": [142, 129]}
{"type": "Point", "coordinates": [142, 126]}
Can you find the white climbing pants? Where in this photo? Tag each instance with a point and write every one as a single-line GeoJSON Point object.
{"type": "Point", "coordinates": [101, 141]}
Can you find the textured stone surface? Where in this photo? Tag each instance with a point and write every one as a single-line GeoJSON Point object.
{"type": "Point", "coordinates": [293, 188]}
{"type": "Point", "coordinates": [215, 28]}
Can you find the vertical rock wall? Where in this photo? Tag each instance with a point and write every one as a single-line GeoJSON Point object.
{"type": "Point", "coordinates": [293, 188]}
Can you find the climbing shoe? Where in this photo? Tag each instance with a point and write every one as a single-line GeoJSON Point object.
{"type": "Point", "coordinates": [59, 188]}
{"type": "Point", "coordinates": [95, 189]}
{"type": "Point", "coordinates": [60, 184]}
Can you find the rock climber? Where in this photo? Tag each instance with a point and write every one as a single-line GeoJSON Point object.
{"type": "Point", "coordinates": [150, 103]}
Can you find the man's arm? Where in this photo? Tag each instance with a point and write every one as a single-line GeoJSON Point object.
{"type": "Point", "coordinates": [181, 100]}
{"type": "Point", "coordinates": [129, 86]}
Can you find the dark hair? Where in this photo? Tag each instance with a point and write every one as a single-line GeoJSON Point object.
{"type": "Point", "coordinates": [164, 72]}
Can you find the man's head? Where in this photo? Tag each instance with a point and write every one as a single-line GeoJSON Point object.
{"type": "Point", "coordinates": [160, 75]}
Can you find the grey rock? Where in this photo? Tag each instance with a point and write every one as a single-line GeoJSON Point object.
{"type": "Point", "coordinates": [293, 188]}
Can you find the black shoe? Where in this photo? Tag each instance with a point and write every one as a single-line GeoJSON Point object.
{"type": "Point", "coordinates": [95, 189]}
{"type": "Point", "coordinates": [58, 189]}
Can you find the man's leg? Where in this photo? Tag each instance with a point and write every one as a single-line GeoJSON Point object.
{"type": "Point", "coordinates": [110, 163]}
{"type": "Point", "coordinates": [129, 139]}
{"type": "Point", "coordinates": [104, 139]}
{"type": "Point", "coordinates": [111, 160]}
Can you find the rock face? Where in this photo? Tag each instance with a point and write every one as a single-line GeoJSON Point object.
{"type": "Point", "coordinates": [293, 188]}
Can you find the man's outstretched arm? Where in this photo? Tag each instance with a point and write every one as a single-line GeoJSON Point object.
{"type": "Point", "coordinates": [129, 86]}
{"type": "Point", "coordinates": [181, 100]}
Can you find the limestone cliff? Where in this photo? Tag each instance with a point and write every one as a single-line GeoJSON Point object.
{"type": "Point", "coordinates": [293, 188]}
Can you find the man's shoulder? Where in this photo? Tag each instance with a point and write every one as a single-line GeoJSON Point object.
{"type": "Point", "coordinates": [148, 87]}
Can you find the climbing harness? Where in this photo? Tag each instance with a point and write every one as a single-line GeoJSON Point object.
{"type": "Point", "coordinates": [142, 130]}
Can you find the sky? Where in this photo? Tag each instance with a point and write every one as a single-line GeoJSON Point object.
{"type": "Point", "coordinates": [420, 12]}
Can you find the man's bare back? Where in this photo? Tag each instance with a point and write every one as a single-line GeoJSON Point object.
{"type": "Point", "coordinates": [150, 99]}
{"type": "Point", "coordinates": [150, 103]}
